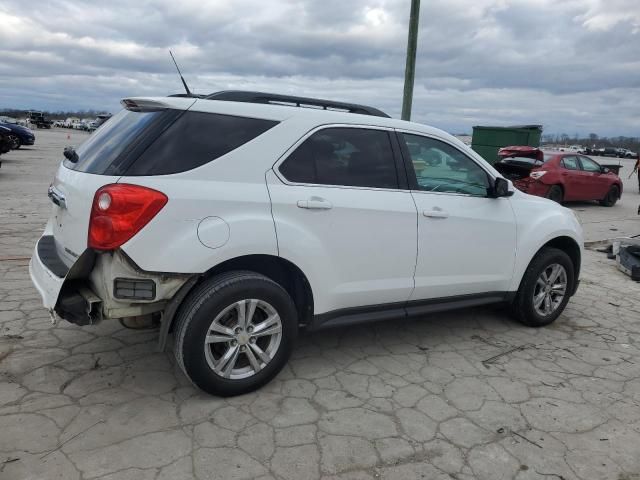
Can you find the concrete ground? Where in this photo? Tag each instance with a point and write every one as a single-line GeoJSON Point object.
{"type": "Point", "coordinates": [463, 395]}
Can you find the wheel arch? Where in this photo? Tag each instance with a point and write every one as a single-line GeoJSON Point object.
{"type": "Point", "coordinates": [618, 183]}
{"type": "Point", "coordinates": [569, 246]}
{"type": "Point", "coordinates": [278, 269]}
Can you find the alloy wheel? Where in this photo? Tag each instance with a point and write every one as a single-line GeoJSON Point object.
{"type": "Point", "coordinates": [550, 289]}
{"type": "Point", "coordinates": [243, 339]}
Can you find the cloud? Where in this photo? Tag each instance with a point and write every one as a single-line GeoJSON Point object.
{"type": "Point", "coordinates": [571, 65]}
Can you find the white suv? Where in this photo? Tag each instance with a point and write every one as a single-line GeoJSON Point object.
{"type": "Point", "coordinates": [240, 218]}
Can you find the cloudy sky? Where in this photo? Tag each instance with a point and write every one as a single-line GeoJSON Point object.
{"type": "Point", "coordinates": [571, 65]}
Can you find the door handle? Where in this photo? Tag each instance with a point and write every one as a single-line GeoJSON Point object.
{"type": "Point", "coordinates": [315, 204]}
{"type": "Point", "coordinates": [56, 197]}
{"type": "Point", "coordinates": [435, 213]}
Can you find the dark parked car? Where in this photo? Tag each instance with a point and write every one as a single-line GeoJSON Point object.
{"type": "Point", "coordinates": [6, 142]}
{"type": "Point", "coordinates": [559, 176]}
{"type": "Point", "coordinates": [20, 135]}
{"type": "Point", "coordinates": [608, 152]}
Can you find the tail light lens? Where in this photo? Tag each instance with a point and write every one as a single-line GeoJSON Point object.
{"type": "Point", "coordinates": [536, 174]}
{"type": "Point", "coordinates": [119, 211]}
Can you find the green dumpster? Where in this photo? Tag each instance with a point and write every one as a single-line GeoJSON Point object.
{"type": "Point", "coordinates": [487, 141]}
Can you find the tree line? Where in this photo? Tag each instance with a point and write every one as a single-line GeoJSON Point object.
{"type": "Point", "coordinates": [593, 139]}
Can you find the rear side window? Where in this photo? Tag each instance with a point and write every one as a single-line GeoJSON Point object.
{"type": "Point", "coordinates": [194, 139]}
{"type": "Point", "coordinates": [355, 157]}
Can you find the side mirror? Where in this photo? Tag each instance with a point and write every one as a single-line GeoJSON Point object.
{"type": "Point", "coordinates": [500, 188]}
{"type": "Point", "coordinates": [604, 170]}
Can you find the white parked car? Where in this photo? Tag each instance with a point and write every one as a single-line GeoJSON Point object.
{"type": "Point", "coordinates": [240, 221]}
{"type": "Point", "coordinates": [574, 148]}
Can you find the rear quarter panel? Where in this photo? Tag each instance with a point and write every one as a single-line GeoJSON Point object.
{"type": "Point", "coordinates": [231, 188]}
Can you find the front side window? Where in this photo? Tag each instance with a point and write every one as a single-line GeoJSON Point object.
{"type": "Point", "coordinates": [355, 157]}
{"type": "Point", "coordinates": [589, 165]}
{"type": "Point", "coordinates": [570, 163]}
{"type": "Point", "coordinates": [439, 167]}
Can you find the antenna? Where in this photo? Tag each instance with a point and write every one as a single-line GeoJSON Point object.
{"type": "Point", "coordinates": [180, 73]}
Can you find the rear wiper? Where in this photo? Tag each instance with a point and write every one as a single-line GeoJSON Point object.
{"type": "Point", "coordinates": [70, 154]}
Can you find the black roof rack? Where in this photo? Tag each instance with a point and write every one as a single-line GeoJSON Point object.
{"type": "Point", "coordinates": [275, 99]}
{"type": "Point", "coordinates": [187, 95]}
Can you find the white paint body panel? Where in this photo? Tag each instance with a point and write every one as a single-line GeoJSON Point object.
{"type": "Point", "coordinates": [363, 251]}
{"type": "Point", "coordinates": [538, 221]}
{"type": "Point", "coordinates": [471, 250]}
{"type": "Point", "coordinates": [70, 225]}
{"type": "Point", "coordinates": [47, 284]}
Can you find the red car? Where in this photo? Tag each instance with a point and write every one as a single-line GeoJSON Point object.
{"type": "Point", "coordinates": [559, 176]}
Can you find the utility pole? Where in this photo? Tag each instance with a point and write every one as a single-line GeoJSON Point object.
{"type": "Point", "coordinates": [410, 69]}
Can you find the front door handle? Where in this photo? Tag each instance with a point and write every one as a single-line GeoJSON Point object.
{"type": "Point", "coordinates": [435, 213]}
{"type": "Point", "coordinates": [315, 204]}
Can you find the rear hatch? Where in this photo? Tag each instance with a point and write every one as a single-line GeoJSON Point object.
{"type": "Point", "coordinates": [102, 159]}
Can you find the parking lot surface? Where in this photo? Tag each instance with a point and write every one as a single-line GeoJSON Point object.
{"type": "Point", "coordinates": [463, 395]}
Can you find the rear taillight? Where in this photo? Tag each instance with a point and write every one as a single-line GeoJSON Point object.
{"type": "Point", "coordinates": [536, 174]}
{"type": "Point", "coordinates": [119, 211]}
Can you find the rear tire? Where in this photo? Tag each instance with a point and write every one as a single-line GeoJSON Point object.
{"type": "Point", "coordinates": [538, 284]}
{"type": "Point", "coordinates": [612, 197]}
{"type": "Point", "coordinates": [235, 332]}
{"type": "Point", "coordinates": [555, 193]}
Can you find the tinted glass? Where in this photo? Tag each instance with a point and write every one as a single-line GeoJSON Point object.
{"type": "Point", "coordinates": [355, 157]}
{"type": "Point", "coordinates": [570, 163]}
{"type": "Point", "coordinates": [194, 139]}
{"type": "Point", "coordinates": [102, 152]}
{"type": "Point", "coordinates": [589, 165]}
{"type": "Point", "coordinates": [522, 161]}
{"type": "Point", "coordinates": [439, 167]}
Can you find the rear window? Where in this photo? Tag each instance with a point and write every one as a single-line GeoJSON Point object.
{"type": "Point", "coordinates": [104, 152]}
{"type": "Point", "coordinates": [194, 139]}
{"type": "Point", "coordinates": [163, 142]}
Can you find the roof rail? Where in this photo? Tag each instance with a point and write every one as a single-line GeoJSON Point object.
{"type": "Point", "coordinates": [275, 99]}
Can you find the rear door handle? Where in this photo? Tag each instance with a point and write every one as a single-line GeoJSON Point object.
{"type": "Point", "coordinates": [435, 213]}
{"type": "Point", "coordinates": [315, 204]}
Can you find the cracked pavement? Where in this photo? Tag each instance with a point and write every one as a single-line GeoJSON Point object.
{"type": "Point", "coordinates": [463, 395]}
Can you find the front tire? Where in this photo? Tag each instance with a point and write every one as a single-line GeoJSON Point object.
{"type": "Point", "coordinates": [555, 193]}
{"type": "Point", "coordinates": [16, 142]}
{"type": "Point", "coordinates": [612, 197]}
{"type": "Point", "coordinates": [235, 332]}
{"type": "Point", "coordinates": [545, 288]}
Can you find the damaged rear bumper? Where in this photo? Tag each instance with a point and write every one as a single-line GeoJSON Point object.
{"type": "Point", "coordinates": [98, 286]}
